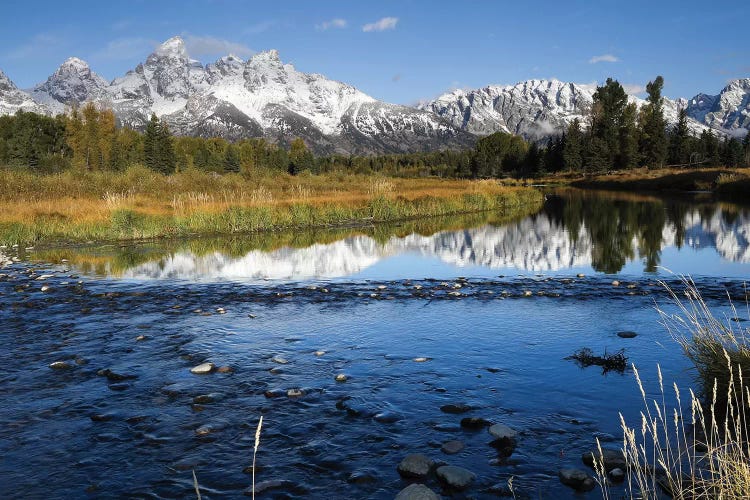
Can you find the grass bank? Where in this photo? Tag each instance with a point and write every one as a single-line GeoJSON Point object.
{"type": "Point", "coordinates": [138, 203]}
{"type": "Point", "coordinates": [730, 184]}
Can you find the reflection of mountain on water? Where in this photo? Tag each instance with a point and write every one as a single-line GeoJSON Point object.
{"type": "Point", "coordinates": [573, 233]}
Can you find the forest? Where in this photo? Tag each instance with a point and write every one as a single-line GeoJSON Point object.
{"type": "Point", "coordinates": [614, 135]}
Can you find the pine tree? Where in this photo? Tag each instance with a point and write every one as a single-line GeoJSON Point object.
{"type": "Point", "coordinates": [678, 140]}
{"type": "Point", "coordinates": [606, 120]}
{"type": "Point", "coordinates": [653, 128]}
{"type": "Point", "coordinates": [151, 143]}
{"type": "Point", "coordinates": [573, 148]}
{"type": "Point", "coordinates": [166, 159]}
{"type": "Point", "coordinates": [627, 157]}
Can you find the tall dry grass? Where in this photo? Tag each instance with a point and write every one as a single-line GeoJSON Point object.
{"type": "Point", "coordinates": [139, 203]}
{"type": "Point", "coordinates": [699, 448]}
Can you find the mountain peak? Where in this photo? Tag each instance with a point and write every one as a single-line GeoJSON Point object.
{"type": "Point", "coordinates": [174, 47]}
{"type": "Point", "coordinates": [5, 82]}
{"type": "Point", "coordinates": [267, 55]}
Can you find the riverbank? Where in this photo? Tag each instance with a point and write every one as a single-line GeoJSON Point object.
{"type": "Point", "coordinates": [138, 203]}
{"type": "Point", "coordinates": [728, 184]}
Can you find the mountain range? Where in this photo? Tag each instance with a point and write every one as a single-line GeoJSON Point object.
{"type": "Point", "coordinates": [264, 97]}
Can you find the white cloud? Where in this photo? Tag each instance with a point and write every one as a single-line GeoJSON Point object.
{"type": "Point", "coordinates": [198, 46]}
{"type": "Point", "coordinates": [333, 23]}
{"type": "Point", "coordinates": [633, 88]}
{"type": "Point", "coordinates": [604, 58]}
{"type": "Point", "coordinates": [387, 23]}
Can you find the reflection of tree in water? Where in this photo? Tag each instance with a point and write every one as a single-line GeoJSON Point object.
{"type": "Point", "coordinates": [619, 226]}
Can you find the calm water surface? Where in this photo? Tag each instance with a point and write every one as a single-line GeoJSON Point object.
{"type": "Point", "coordinates": [493, 306]}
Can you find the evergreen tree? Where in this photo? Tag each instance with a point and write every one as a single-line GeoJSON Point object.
{"type": "Point", "coordinates": [678, 140]}
{"type": "Point", "coordinates": [627, 157]}
{"type": "Point", "coordinates": [151, 143]}
{"type": "Point", "coordinates": [653, 128]}
{"type": "Point", "coordinates": [606, 121]}
{"type": "Point", "coordinates": [573, 148]}
{"type": "Point", "coordinates": [166, 159]}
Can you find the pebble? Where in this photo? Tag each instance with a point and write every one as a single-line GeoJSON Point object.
{"type": "Point", "coordinates": [421, 359]}
{"type": "Point", "coordinates": [417, 492]}
{"type": "Point", "coordinates": [455, 477]}
{"type": "Point", "coordinates": [452, 447]}
{"type": "Point", "coordinates": [615, 283]}
{"type": "Point", "coordinates": [527, 293]}
{"type": "Point", "coordinates": [341, 377]}
{"type": "Point", "coordinates": [576, 479]}
{"type": "Point", "coordinates": [202, 369]}
{"type": "Point", "coordinates": [502, 431]}
{"type": "Point", "coordinates": [319, 353]}
{"type": "Point", "coordinates": [204, 430]}
{"type": "Point", "coordinates": [45, 288]}
{"type": "Point", "coordinates": [295, 393]}
{"type": "Point", "coordinates": [415, 465]}
{"type": "Point", "coordinates": [221, 310]}
{"type": "Point", "coordinates": [140, 338]}
{"type": "Point", "coordinates": [580, 275]}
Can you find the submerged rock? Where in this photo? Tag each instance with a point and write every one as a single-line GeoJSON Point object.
{"type": "Point", "coordinates": [456, 408]}
{"type": "Point", "coordinates": [452, 447]}
{"type": "Point", "coordinates": [627, 335]}
{"type": "Point", "coordinates": [417, 492]}
{"type": "Point", "coordinates": [475, 423]}
{"type": "Point", "coordinates": [611, 459]}
{"type": "Point", "coordinates": [280, 360]}
{"type": "Point", "coordinates": [341, 377]}
{"type": "Point", "coordinates": [415, 465]}
{"type": "Point", "coordinates": [576, 479]}
{"type": "Point", "coordinates": [616, 475]}
{"type": "Point", "coordinates": [60, 365]}
{"type": "Point", "coordinates": [454, 477]}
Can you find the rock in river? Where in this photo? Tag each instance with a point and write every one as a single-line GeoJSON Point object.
{"type": "Point", "coordinates": [417, 492]}
{"type": "Point", "coordinates": [475, 422]}
{"type": "Point", "coordinates": [627, 335]}
{"type": "Point", "coordinates": [202, 369]}
{"type": "Point", "coordinates": [452, 447]}
{"type": "Point", "coordinates": [576, 479]}
{"type": "Point", "coordinates": [60, 365]}
{"type": "Point", "coordinates": [455, 408]}
{"type": "Point", "coordinates": [612, 459]}
{"type": "Point", "coordinates": [415, 465]}
{"type": "Point", "coordinates": [455, 477]}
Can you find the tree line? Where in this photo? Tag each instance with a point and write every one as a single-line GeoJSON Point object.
{"type": "Point", "coordinates": [614, 134]}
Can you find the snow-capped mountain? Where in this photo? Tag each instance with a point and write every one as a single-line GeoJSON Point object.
{"type": "Point", "coordinates": [261, 97]}
{"type": "Point", "coordinates": [73, 82]}
{"type": "Point", "coordinates": [730, 110]}
{"type": "Point", "coordinates": [12, 100]}
{"type": "Point", "coordinates": [265, 97]}
{"type": "Point", "coordinates": [537, 109]}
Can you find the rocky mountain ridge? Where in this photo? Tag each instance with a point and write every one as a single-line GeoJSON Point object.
{"type": "Point", "coordinates": [264, 97]}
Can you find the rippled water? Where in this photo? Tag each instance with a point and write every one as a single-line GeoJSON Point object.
{"type": "Point", "coordinates": [493, 308]}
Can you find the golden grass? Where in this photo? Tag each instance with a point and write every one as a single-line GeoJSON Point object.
{"type": "Point", "coordinates": [141, 204]}
{"type": "Point", "coordinates": [703, 453]}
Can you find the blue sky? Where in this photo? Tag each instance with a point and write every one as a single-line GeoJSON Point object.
{"type": "Point", "coordinates": [398, 51]}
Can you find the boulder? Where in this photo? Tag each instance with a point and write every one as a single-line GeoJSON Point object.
{"type": "Point", "coordinates": [454, 477]}
{"type": "Point", "coordinates": [576, 479]}
{"type": "Point", "coordinates": [417, 492]}
{"type": "Point", "coordinates": [415, 465]}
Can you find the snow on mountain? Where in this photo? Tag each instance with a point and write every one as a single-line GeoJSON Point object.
{"type": "Point", "coordinates": [730, 110]}
{"type": "Point", "coordinates": [73, 83]}
{"type": "Point", "coordinates": [537, 109]}
{"type": "Point", "coordinates": [12, 100]}
{"type": "Point", "coordinates": [263, 97]}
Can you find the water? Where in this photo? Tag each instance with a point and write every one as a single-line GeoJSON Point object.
{"type": "Point", "coordinates": [494, 308]}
